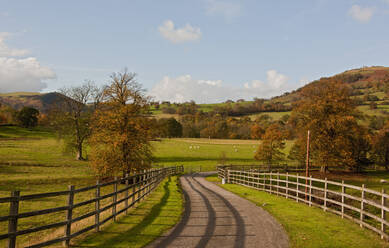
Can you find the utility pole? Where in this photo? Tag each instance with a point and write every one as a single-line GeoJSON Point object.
{"type": "Point", "coordinates": [307, 167]}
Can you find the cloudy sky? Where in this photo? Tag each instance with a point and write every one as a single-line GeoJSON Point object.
{"type": "Point", "coordinates": [202, 50]}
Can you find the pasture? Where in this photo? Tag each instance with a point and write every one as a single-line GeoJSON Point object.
{"type": "Point", "coordinates": [205, 154]}
{"type": "Point", "coordinates": [33, 161]}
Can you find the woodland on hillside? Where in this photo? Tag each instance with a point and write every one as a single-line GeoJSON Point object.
{"type": "Point", "coordinates": [118, 121]}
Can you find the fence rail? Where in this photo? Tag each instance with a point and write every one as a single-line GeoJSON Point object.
{"type": "Point", "coordinates": [265, 168]}
{"type": "Point", "coordinates": [136, 187]}
{"type": "Point", "coordinates": [366, 207]}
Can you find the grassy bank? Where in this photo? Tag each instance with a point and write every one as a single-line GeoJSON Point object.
{"type": "Point", "coordinates": [308, 226]}
{"type": "Point", "coordinates": [159, 212]}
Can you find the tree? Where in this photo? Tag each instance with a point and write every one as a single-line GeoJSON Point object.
{"type": "Point", "coordinates": [121, 131]}
{"type": "Point", "coordinates": [71, 117]}
{"type": "Point", "coordinates": [298, 153]}
{"type": "Point", "coordinates": [381, 147]}
{"type": "Point", "coordinates": [170, 127]}
{"type": "Point", "coordinates": [327, 110]}
{"type": "Point", "coordinates": [256, 131]}
{"type": "Point", "coordinates": [27, 117]}
{"type": "Point", "coordinates": [269, 151]}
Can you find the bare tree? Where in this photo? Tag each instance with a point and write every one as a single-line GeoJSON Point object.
{"type": "Point", "coordinates": [71, 116]}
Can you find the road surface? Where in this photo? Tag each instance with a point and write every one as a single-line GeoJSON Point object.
{"type": "Point", "coordinates": [214, 217]}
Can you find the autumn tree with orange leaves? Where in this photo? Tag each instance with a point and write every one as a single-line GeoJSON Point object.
{"type": "Point", "coordinates": [337, 139]}
{"type": "Point", "coordinates": [120, 140]}
{"type": "Point", "coordinates": [381, 147]}
{"type": "Point", "coordinates": [270, 150]}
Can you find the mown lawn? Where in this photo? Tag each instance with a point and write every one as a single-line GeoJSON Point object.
{"type": "Point", "coordinates": [158, 213]}
{"type": "Point", "coordinates": [308, 226]}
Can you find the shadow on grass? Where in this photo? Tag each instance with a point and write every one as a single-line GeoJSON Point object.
{"type": "Point", "coordinates": [135, 233]}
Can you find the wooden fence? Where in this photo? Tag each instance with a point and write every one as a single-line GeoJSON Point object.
{"type": "Point", "coordinates": [365, 206]}
{"type": "Point", "coordinates": [136, 187]}
{"type": "Point", "coordinates": [265, 168]}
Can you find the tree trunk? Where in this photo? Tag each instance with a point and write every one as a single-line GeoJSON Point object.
{"type": "Point", "coordinates": [79, 153]}
{"type": "Point", "coordinates": [323, 169]}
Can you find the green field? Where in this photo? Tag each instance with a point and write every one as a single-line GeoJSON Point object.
{"type": "Point", "coordinates": [308, 226]}
{"type": "Point", "coordinates": [33, 161]}
{"type": "Point", "coordinates": [193, 153]}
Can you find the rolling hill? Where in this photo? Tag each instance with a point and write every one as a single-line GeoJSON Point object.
{"type": "Point", "coordinates": [369, 84]}
{"type": "Point", "coordinates": [40, 101]}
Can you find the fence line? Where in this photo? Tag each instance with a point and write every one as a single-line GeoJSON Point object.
{"type": "Point", "coordinates": [364, 206]}
{"type": "Point", "coordinates": [141, 184]}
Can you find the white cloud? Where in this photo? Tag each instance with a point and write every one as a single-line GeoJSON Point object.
{"type": "Point", "coordinates": [361, 14]}
{"type": "Point", "coordinates": [20, 74]}
{"type": "Point", "coordinates": [5, 51]}
{"type": "Point", "coordinates": [23, 75]}
{"type": "Point", "coordinates": [185, 88]}
{"type": "Point", "coordinates": [227, 9]}
{"type": "Point", "coordinates": [179, 35]}
{"type": "Point", "coordinates": [275, 82]}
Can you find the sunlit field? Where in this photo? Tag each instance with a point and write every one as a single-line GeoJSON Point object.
{"type": "Point", "coordinates": [205, 154]}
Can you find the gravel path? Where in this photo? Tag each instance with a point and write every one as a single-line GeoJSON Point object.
{"type": "Point", "coordinates": [214, 217]}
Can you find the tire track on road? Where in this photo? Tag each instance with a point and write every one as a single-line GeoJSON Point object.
{"type": "Point", "coordinates": [240, 225]}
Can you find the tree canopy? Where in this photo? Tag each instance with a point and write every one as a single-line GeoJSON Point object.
{"type": "Point", "coordinates": [121, 133]}
{"type": "Point", "coordinates": [327, 110]}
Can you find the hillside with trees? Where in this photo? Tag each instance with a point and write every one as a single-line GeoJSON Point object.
{"type": "Point", "coordinates": [346, 114]}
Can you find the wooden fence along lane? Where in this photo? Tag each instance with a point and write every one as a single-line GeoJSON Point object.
{"type": "Point", "coordinates": [136, 188]}
{"type": "Point", "coordinates": [365, 206]}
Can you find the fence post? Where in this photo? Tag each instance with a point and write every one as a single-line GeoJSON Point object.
{"type": "Point", "coordinates": [97, 206]}
{"type": "Point", "coordinates": [144, 182]}
{"type": "Point", "coordinates": [297, 188]}
{"type": "Point", "coordinates": [151, 183]}
{"type": "Point", "coordinates": [13, 220]}
{"type": "Point", "coordinates": [325, 194]}
{"type": "Point", "coordinates": [133, 190]}
{"type": "Point", "coordinates": [310, 190]}
{"type": "Point", "coordinates": [69, 215]}
{"type": "Point", "coordinates": [383, 215]}
{"type": "Point", "coordinates": [228, 176]}
{"type": "Point", "coordinates": [343, 191]}
{"type": "Point", "coordinates": [139, 188]}
{"type": "Point", "coordinates": [271, 182]}
{"type": "Point", "coordinates": [114, 199]}
{"type": "Point", "coordinates": [153, 175]}
{"type": "Point", "coordinates": [148, 173]}
{"type": "Point", "coordinates": [264, 181]}
{"type": "Point", "coordinates": [362, 205]}
{"type": "Point", "coordinates": [126, 194]}
{"type": "Point", "coordinates": [287, 185]}
{"type": "Point", "coordinates": [278, 181]}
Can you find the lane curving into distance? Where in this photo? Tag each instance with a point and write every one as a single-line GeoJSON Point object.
{"type": "Point", "coordinates": [214, 217]}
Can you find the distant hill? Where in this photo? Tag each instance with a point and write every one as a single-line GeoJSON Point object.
{"type": "Point", "coordinates": [364, 81]}
{"type": "Point", "coordinates": [368, 84]}
{"type": "Point", "coordinates": [40, 101]}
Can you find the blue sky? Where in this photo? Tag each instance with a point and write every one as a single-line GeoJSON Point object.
{"type": "Point", "coordinates": [206, 50]}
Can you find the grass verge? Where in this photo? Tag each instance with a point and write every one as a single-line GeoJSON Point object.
{"type": "Point", "coordinates": [159, 212]}
{"type": "Point", "coordinates": [308, 226]}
